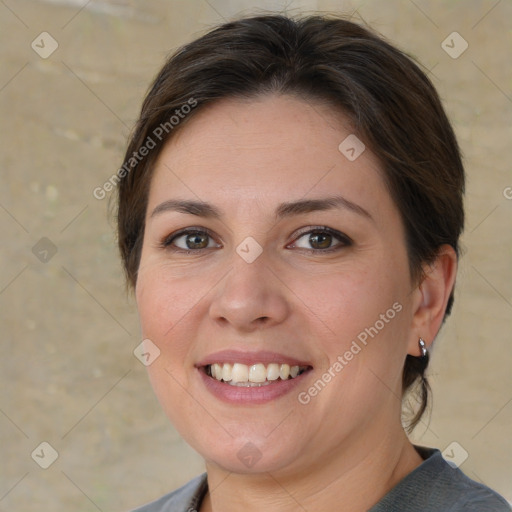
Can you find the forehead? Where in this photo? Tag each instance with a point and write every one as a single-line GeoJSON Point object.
{"type": "Point", "coordinates": [262, 150]}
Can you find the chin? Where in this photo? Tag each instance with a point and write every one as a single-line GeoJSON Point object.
{"type": "Point", "coordinates": [246, 449]}
{"type": "Point", "coordinates": [247, 458]}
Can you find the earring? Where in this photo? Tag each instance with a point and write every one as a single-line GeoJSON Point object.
{"type": "Point", "coordinates": [423, 347]}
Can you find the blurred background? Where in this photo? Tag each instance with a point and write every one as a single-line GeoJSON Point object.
{"type": "Point", "coordinates": [73, 74]}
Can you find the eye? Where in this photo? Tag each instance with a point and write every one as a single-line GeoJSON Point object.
{"type": "Point", "coordinates": [189, 240]}
{"type": "Point", "coordinates": [322, 239]}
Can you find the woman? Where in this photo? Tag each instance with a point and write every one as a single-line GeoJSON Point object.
{"type": "Point", "coordinates": [289, 213]}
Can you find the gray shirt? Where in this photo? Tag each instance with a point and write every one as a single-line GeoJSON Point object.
{"type": "Point", "coordinates": [434, 486]}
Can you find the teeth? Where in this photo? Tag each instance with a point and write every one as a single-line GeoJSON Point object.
{"type": "Point", "coordinates": [257, 373]}
{"type": "Point", "coordinates": [225, 372]}
{"type": "Point", "coordinates": [239, 374]}
{"type": "Point", "coordinates": [273, 371]}
{"type": "Point", "coordinates": [216, 369]}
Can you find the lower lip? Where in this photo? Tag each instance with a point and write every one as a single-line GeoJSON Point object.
{"type": "Point", "coordinates": [250, 395]}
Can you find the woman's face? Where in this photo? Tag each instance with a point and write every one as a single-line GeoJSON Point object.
{"type": "Point", "coordinates": [295, 257]}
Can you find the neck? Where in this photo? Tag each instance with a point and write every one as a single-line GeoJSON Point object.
{"type": "Point", "coordinates": [352, 479]}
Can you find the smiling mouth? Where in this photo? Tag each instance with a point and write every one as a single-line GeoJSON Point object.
{"type": "Point", "coordinates": [256, 375]}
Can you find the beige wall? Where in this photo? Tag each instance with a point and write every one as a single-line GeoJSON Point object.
{"type": "Point", "coordinates": [68, 373]}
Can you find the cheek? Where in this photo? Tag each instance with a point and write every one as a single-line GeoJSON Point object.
{"type": "Point", "coordinates": [165, 304]}
{"type": "Point", "coordinates": [347, 302]}
{"type": "Point", "coordinates": [166, 296]}
{"type": "Point", "coordinates": [366, 321]}
{"type": "Point", "coordinates": [362, 318]}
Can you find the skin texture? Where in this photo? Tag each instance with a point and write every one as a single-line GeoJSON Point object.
{"type": "Point", "coordinates": [347, 444]}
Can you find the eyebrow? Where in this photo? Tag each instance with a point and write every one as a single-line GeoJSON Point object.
{"type": "Point", "coordinates": [288, 209]}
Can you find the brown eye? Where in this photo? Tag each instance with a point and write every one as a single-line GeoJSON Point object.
{"type": "Point", "coordinates": [322, 240]}
{"type": "Point", "coordinates": [190, 240]}
{"type": "Point", "coordinates": [196, 241]}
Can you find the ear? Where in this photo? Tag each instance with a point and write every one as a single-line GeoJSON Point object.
{"type": "Point", "coordinates": [431, 298]}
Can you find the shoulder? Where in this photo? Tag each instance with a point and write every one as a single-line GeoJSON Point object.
{"type": "Point", "coordinates": [436, 486]}
{"type": "Point", "coordinates": [184, 499]}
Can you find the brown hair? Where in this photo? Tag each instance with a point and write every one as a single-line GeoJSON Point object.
{"type": "Point", "coordinates": [391, 103]}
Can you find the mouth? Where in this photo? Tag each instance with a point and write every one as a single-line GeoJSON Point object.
{"type": "Point", "coordinates": [255, 375]}
{"type": "Point", "coordinates": [249, 378]}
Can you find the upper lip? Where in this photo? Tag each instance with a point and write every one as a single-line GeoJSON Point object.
{"type": "Point", "coordinates": [250, 358]}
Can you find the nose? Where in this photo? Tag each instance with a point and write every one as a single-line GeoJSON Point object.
{"type": "Point", "coordinates": [250, 297]}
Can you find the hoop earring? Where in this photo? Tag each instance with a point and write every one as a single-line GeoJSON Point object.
{"type": "Point", "coordinates": [423, 347]}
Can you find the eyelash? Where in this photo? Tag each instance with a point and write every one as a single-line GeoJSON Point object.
{"type": "Point", "coordinates": [344, 240]}
{"type": "Point", "coordinates": [167, 241]}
